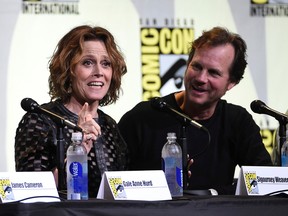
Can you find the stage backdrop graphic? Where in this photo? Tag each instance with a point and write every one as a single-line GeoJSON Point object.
{"type": "Point", "coordinates": [154, 37]}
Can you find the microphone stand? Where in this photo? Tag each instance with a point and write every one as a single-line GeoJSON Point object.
{"type": "Point", "coordinates": [61, 151]}
{"type": "Point", "coordinates": [282, 135]}
{"type": "Point", "coordinates": [60, 159]}
{"type": "Point", "coordinates": [183, 144]}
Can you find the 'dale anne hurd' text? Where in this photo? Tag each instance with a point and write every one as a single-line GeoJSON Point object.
{"type": "Point", "coordinates": [137, 183]}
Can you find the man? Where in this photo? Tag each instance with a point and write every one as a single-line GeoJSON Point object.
{"type": "Point", "coordinates": [216, 64]}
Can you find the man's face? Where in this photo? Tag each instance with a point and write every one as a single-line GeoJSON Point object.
{"type": "Point", "coordinates": [207, 75]}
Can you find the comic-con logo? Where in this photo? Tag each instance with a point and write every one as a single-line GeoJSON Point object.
{"type": "Point", "coordinates": [164, 52]}
{"type": "Point", "coordinates": [6, 191]}
{"type": "Point", "coordinates": [116, 185]}
{"type": "Point", "coordinates": [269, 8]}
{"type": "Point", "coordinates": [251, 182]}
{"type": "Point", "coordinates": [69, 7]}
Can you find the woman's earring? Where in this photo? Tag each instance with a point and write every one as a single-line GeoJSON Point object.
{"type": "Point", "coordinates": [69, 90]}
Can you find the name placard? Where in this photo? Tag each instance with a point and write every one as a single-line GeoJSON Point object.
{"type": "Point", "coordinates": [134, 185]}
{"type": "Point", "coordinates": [28, 187]}
{"type": "Point", "coordinates": [259, 180]}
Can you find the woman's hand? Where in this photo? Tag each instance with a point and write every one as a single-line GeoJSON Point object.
{"type": "Point", "coordinates": [91, 130]}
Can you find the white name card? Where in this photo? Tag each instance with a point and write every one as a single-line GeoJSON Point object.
{"type": "Point", "coordinates": [134, 185]}
{"type": "Point", "coordinates": [28, 187]}
{"type": "Point", "coordinates": [259, 180]}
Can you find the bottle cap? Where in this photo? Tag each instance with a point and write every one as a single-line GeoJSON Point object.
{"type": "Point", "coordinates": [76, 136]}
{"type": "Point", "coordinates": [171, 135]}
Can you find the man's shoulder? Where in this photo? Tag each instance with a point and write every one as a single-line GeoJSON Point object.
{"type": "Point", "coordinates": [232, 107]}
{"type": "Point", "coordinates": [140, 107]}
{"type": "Point", "coordinates": [145, 110]}
{"type": "Point", "coordinates": [233, 110]}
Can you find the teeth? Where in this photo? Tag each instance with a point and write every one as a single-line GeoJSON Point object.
{"type": "Point", "coordinates": [198, 89]}
{"type": "Point", "coordinates": [95, 84]}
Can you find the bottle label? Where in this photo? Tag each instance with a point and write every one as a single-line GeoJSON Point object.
{"type": "Point", "coordinates": [284, 161]}
{"type": "Point", "coordinates": [174, 175]}
{"type": "Point", "coordinates": [76, 169]}
{"type": "Point", "coordinates": [78, 182]}
{"type": "Point", "coordinates": [284, 154]}
{"type": "Point", "coordinates": [179, 176]}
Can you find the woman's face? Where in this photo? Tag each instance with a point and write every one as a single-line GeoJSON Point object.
{"type": "Point", "coordinates": [92, 74]}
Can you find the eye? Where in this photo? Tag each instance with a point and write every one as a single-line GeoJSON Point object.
{"type": "Point", "coordinates": [106, 63]}
{"type": "Point", "coordinates": [87, 62]}
{"type": "Point", "coordinates": [214, 73]}
{"type": "Point", "coordinates": [196, 66]}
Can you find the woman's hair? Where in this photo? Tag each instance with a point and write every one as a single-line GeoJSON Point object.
{"type": "Point", "coordinates": [67, 55]}
{"type": "Point", "coordinates": [221, 36]}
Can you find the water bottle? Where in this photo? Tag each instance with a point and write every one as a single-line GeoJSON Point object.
{"type": "Point", "coordinates": [172, 165]}
{"type": "Point", "coordinates": [77, 169]}
{"type": "Point", "coordinates": [284, 154]}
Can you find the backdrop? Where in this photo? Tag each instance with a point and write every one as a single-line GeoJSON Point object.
{"type": "Point", "coordinates": [154, 36]}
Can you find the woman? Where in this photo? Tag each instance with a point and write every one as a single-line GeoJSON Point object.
{"type": "Point", "coordinates": [85, 73]}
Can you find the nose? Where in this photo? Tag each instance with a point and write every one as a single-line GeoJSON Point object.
{"type": "Point", "coordinates": [97, 70]}
{"type": "Point", "coordinates": [202, 76]}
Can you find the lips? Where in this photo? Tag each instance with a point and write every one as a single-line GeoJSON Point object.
{"type": "Point", "coordinates": [96, 83]}
{"type": "Point", "coordinates": [195, 88]}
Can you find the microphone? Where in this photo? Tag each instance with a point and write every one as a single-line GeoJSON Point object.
{"type": "Point", "coordinates": [260, 107]}
{"type": "Point", "coordinates": [29, 105]}
{"type": "Point", "coordinates": [162, 105]}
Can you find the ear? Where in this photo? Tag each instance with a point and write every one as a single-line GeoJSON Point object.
{"type": "Point", "coordinates": [231, 85]}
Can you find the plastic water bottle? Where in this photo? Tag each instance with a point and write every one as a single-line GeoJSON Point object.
{"type": "Point", "coordinates": [172, 165]}
{"type": "Point", "coordinates": [77, 169]}
{"type": "Point", "coordinates": [284, 154]}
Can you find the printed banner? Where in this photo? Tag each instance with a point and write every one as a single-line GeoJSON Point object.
{"type": "Point", "coordinates": [259, 180]}
{"type": "Point", "coordinates": [28, 187]}
{"type": "Point", "coordinates": [134, 185]}
{"type": "Point", "coordinates": [154, 37]}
